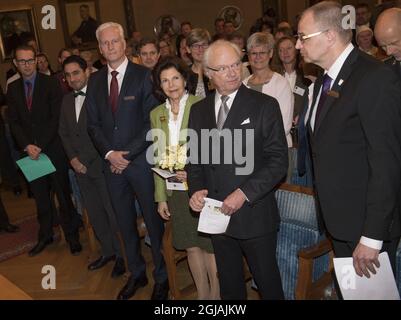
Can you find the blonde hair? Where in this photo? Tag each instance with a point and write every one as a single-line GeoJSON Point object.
{"type": "Point", "coordinates": [260, 39]}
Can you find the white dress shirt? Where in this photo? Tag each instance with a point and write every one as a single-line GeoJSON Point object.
{"type": "Point", "coordinates": [174, 126]}
{"type": "Point", "coordinates": [79, 102]}
{"type": "Point", "coordinates": [291, 78]}
{"type": "Point", "coordinates": [218, 102]}
{"type": "Point", "coordinates": [333, 73]}
{"type": "Point", "coordinates": [120, 77]}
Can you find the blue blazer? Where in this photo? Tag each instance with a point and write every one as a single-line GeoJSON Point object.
{"type": "Point", "coordinates": [125, 130]}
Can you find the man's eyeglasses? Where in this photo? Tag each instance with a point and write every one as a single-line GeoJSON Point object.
{"type": "Point", "coordinates": [200, 46]}
{"type": "Point", "coordinates": [23, 62]}
{"type": "Point", "coordinates": [224, 69]}
{"type": "Point", "coordinates": [303, 37]}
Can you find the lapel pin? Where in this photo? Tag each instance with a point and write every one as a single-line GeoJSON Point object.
{"type": "Point", "coordinates": [340, 82]}
{"type": "Point", "coordinates": [162, 118]}
{"type": "Point", "coordinates": [333, 94]}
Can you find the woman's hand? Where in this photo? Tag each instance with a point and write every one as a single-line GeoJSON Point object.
{"type": "Point", "coordinates": [162, 209]}
{"type": "Point", "coordinates": [181, 176]}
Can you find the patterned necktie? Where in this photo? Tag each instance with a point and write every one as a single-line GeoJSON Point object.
{"type": "Point", "coordinates": [325, 89]}
{"type": "Point", "coordinates": [113, 98]}
{"type": "Point", "coordinates": [29, 95]}
{"type": "Point", "coordinates": [223, 112]}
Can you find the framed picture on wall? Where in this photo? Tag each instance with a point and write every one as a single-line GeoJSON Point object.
{"type": "Point", "coordinates": [80, 20]}
{"type": "Point", "coordinates": [17, 26]}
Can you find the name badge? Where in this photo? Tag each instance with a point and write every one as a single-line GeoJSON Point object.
{"type": "Point", "coordinates": [299, 91]}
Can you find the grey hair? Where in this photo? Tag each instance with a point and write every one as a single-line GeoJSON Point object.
{"type": "Point", "coordinates": [258, 39]}
{"type": "Point", "coordinates": [213, 46]}
{"type": "Point", "coordinates": [197, 35]}
{"type": "Point", "coordinates": [328, 15]}
{"type": "Point", "coordinates": [108, 25]}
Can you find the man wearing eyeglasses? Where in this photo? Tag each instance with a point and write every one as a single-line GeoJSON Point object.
{"type": "Point", "coordinates": [355, 132]}
{"type": "Point", "coordinates": [388, 35]}
{"type": "Point", "coordinates": [33, 110]}
{"type": "Point", "coordinates": [247, 198]}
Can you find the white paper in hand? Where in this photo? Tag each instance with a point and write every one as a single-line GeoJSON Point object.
{"type": "Point", "coordinates": [380, 286]}
{"type": "Point", "coordinates": [165, 174]}
{"type": "Point", "coordinates": [211, 220]}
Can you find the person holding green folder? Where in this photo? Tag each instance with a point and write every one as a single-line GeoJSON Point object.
{"type": "Point", "coordinates": [34, 103]}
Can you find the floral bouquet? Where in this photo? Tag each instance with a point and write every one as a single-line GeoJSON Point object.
{"type": "Point", "coordinates": [174, 158]}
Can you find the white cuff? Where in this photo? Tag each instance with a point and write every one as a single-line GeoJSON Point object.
{"type": "Point", "coordinates": [244, 194]}
{"type": "Point", "coordinates": [107, 154]}
{"type": "Point", "coordinates": [371, 243]}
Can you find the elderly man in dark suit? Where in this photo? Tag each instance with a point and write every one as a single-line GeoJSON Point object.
{"type": "Point", "coordinates": [118, 103]}
{"type": "Point", "coordinates": [355, 135]}
{"type": "Point", "coordinates": [34, 103]}
{"type": "Point", "coordinates": [248, 197]}
{"type": "Point", "coordinates": [388, 36]}
{"type": "Point", "coordinates": [88, 165]}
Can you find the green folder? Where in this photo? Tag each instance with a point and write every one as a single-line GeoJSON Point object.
{"type": "Point", "coordinates": [34, 169]}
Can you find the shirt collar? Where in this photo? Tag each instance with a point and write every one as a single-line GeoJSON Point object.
{"type": "Point", "coordinates": [121, 68]}
{"type": "Point", "coordinates": [338, 64]}
{"type": "Point", "coordinates": [31, 79]}
{"type": "Point", "coordinates": [217, 99]}
{"type": "Point", "coordinates": [83, 89]}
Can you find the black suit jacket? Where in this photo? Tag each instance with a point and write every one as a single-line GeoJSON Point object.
{"type": "Point", "coordinates": [260, 215]}
{"type": "Point", "coordinates": [356, 151]}
{"type": "Point", "coordinates": [394, 65]}
{"type": "Point", "coordinates": [75, 137]}
{"type": "Point", "coordinates": [40, 126]}
{"type": "Point", "coordinates": [125, 130]}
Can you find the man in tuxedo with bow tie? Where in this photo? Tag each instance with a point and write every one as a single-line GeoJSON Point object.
{"type": "Point", "coordinates": [119, 100]}
{"type": "Point", "coordinates": [34, 103]}
{"type": "Point", "coordinates": [388, 36]}
{"type": "Point", "coordinates": [354, 130]}
{"type": "Point", "coordinates": [88, 165]}
{"type": "Point", "coordinates": [248, 197]}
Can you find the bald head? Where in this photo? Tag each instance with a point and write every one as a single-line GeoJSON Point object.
{"type": "Point", "coordinates": [388, 32]}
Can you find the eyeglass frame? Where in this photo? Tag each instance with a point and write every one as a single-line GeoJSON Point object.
{"type": "Point", "coordinates": [23, 62]}
{"type": "Point", "coordinates": [225, 69]}
{"type": "Point", "coordinates": [303, 37]}
{"type": "Point", "coordinates": [195, 46]}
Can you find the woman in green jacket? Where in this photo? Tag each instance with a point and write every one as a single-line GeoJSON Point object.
{"type": "Point", "coordinates": [170, 77]}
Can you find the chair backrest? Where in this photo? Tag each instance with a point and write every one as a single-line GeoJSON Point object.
{"type": "Point", "coordinates": [298, 230]}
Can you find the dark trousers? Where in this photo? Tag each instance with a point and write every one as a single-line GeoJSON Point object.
{"type": "Point", "coordinates": [97, 202]}
{"type": "Point", "coordinates": [3, 215]}
{"type": "Point", "coordinates": [41, 190]}
{"type": "Point", "coordinates": [260, 254]}
{"type": "Point", "coordinates": [137, 179]}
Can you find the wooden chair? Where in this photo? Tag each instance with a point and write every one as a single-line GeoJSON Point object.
{"type": "Point", "coordinates": [306, 288]}
{"type": "Point", "coordinates": [172, 257]}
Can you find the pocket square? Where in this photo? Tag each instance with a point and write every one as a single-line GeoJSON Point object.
{"type": "Point", "coordinates": [245, 122]}
{"type": "Point", "coordinates": [127, 98]}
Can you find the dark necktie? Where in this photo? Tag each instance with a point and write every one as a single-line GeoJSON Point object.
{"type": "Point", "coordinates": [29, 95]}
{"type": "Point", "coordinates": [223, 112]}
{"type": "Point", "coordinates": [325, 89]}
{"type": "Point", "coordinates": [113, 98]}
{"type": "Point", "coordinates": [79, 93]}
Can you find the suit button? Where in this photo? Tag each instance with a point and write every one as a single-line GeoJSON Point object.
{"type": "Point", "coordinates": [115, 128]}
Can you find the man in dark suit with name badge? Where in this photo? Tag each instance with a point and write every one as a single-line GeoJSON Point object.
{"type": "Point", "coordinates": [118, 103]}
{"type": "Point", "coordinates": [247, 192]}
{"type": "Point", "coordinates": [355, 135]}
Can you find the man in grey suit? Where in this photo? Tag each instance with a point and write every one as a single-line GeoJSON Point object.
{"type": "Point", "coordinates": [88, 166]}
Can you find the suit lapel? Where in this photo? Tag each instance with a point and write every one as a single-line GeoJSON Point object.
{"type": "Point", "coordinates": [237, 111]}
{"type": "Point", "coordinates": [164, 119]}
{"type": "Point", "coordinates": [342, 77]}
